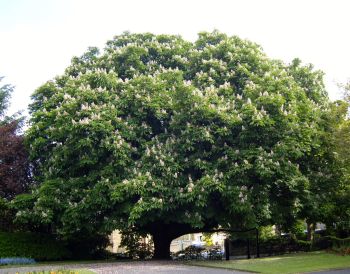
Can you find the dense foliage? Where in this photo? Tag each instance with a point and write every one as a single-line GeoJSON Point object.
{"type": "Point", "coordinates": [164, 136]}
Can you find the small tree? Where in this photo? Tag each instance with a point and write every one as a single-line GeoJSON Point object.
{"type": "Point", "coordinates": [14, 164]}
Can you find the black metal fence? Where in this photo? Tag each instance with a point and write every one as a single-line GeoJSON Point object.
{"type": "Point", "coordinates": [253, 246]}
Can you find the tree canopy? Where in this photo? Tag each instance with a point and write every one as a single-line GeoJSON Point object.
{"type": "Point", "coordinates": [164, 136]}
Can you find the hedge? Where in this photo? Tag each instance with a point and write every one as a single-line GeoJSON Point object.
{"type": "Point", "coordinates": [338, 242]}
{"type": "Point", "coordinates": [304, 245]}
{"type": "Point", "coordinates": [38, 246]}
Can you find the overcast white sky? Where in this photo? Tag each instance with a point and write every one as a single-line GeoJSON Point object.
{"type": "Point", "coordinates": [39, 37]}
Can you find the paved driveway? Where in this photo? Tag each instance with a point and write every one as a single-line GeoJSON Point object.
{"type": "Point", "coordinates": [149, 267]}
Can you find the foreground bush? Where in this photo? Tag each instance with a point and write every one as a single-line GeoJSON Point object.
{"type": "Point", "coordinates": [41, 247]}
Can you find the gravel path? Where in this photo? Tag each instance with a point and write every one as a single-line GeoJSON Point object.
{"type": "Point", "coordinates": [151, 267]}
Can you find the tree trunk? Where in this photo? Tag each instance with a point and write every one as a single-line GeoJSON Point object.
{"type": "Point", "coordinates": [163, 234]}
{"type": "Point", "coordinates": [161, 246]}
{"type": "Point", "coordinates": [310, 231]}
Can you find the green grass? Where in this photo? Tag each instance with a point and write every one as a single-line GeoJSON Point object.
{"type": "Point", "coordinates": [292, 263]}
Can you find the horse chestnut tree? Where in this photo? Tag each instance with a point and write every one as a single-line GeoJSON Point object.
{"type": "Point", "coordinates": [164, 136]}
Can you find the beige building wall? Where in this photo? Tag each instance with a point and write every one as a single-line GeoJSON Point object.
{"type": "Point", "coordinates": [176, 245]}
{"type": "Point", "coordinates": [181, 243]}
{"type": "Point", "coordinates": [115, 239]}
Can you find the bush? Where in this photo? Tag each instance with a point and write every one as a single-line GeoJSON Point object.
{"type": "Point", "coordinates": [215, 253]}
{"type": "Point", "coordinates": [298, 230]}
{"type": "Point", "coordinates": [266, 232]}
{"type": "Point", "coordinates": [6, 261]}
{"type": "Point", "coordinates": [275, 245]}
{"type": "Point", "coordinates": [7, 216]}
{"type": "Point", "coordinates": [85, 246]}
{"type": "Point", "coordinates": [338, 245]}
{"type": "Point", "coordinates": [341, 246]}
{"type": "Point", "coordinates": [303, 245]}
{"type": "Point", "coordinates": [321, 243]}
{"type": "Point", "coordinates": [338, 242]}
{"type": "Point", "coordinates": [41, 247]}
{"type": "Point", "coordinates": [194, 252]}
{"type": "Point", "coordinates": [136, 245]}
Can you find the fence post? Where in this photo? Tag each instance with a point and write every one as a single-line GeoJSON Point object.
{"type": "Point", "coordinates": [227, 249]}
{"type": "Point", "coordinates": [248, 249]}
{"type": "Point", "coordinates": [257, 244]}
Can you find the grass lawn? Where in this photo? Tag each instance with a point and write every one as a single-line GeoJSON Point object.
{"type": "Point", "coordinates": [291, 263]}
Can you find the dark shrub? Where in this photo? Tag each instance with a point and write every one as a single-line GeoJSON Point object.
{"type": "Point", "coordinates": [136, 245]}
{"type": "Point", "coordinates": [87, 246]}
{"type": "Point", "coordinates": [7, 216]}
{"type": "Point", "coordinates": [303, 245]}
{"type": "Point", "coordinates": [322, 243]}
{"type": "Point", "coordinates": [338, 242]}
